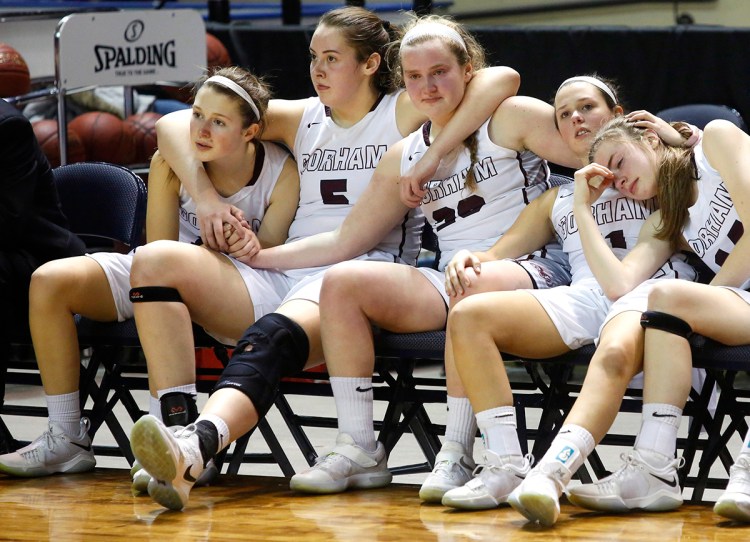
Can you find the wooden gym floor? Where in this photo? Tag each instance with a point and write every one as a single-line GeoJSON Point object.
{"type": "Point", "coordinates": [99, 506]}
{"type": "Point", "coordinates": [258, 505]}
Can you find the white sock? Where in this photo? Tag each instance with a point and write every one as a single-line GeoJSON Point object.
{"type": "Point", "coordinates": [498, 428]}
{"type": "Point", "coordinates": [154, 407]}
{"type": "Point", "coordinates": [221, 428]}
{"type": "Point", "coordinates": [65, 410]}
{"type": "Point", "coordinates": [572, 445]}
{"type": "Point", "coordinates": [658, 432]}
{"type": "Point", "coordinates": [353, 397]}
{"type": "Point", "coordinates": [461, 425]}
{"type": "Point", "coordinates": [190, 389]}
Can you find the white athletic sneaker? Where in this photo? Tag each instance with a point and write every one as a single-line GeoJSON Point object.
{"type": "Point", "coordinates": [140, 479]}
{"type": "Point", "coordinates": [173, 460]}
{"type": "Point", "coordinates": [453, 468]}
{"type": "Point", "coordinates": [54, 451]}
{"type": "Point", "coordinates": [491, 485]}
{"type": "Point", "coordinates": [346, 466]}
{"type": "Point", "coordinates": [537, 498]}
{"type": "Point", "coordinates": [635, 485]}
{"type": "Point", "coordinates": [734, 503]}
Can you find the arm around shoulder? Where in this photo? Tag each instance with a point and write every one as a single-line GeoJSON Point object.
{"type": "Point", "coordinates": [274, 229]}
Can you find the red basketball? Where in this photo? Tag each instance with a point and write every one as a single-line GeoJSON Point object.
{"type": "Point", "coordinates": [106, 137]}
{"type": "Point", "coordinates": [46, 133]}
{"type": "Point", "coordinates": [144, 125]}
{"type": "Point", "coordinates": [14, 73]}
{"type": "Point", "coordinates": [217, 55]}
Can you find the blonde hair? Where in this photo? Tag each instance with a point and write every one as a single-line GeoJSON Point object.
{"type": "Point", "coordinates": [468, 52]}
{"type": "Point", "coordinates": [675, 173]}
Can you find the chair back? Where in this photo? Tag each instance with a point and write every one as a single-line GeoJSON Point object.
{"type": "Point", "coordinates": [702, 114]}
{"type": "Point", "coordinates": [105, 203]}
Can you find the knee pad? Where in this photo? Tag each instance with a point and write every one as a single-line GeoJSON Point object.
{"type": "Point", "coordinates": [178, 409]}
{"type": "Point", "coordinates": [273, 347]}
{"type": "Point", "coordinates": [149, 294]}
{"type": "Point", "coordinates": [666, 322]}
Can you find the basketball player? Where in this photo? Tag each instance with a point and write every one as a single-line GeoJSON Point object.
{"type": "Point", "coordinates": [259, 178]}
{"type": "Point", "coordinates": [582, 105]}
{"type": "Point", "coordinates": [35, 230]}
{"type": "Point", "coordinates": [476, 196]}
{"type": "Point", "coordinates": [565, 318]}
{"type": "Point", "coordinates": [338, 139]}
{"type": "Point", "coordinates": [706, 217]}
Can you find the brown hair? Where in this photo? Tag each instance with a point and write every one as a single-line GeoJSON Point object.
{"type": "Point", "coordinates": [258, 90]}
{"type": "Point", "coordinates": [366, 33]}
{"type": "Point", "coordinates": [473, 54]}
{"type": "Point", "coordinates": [675, 173]}
{"type": "Point", "coordinates": [609, 83]}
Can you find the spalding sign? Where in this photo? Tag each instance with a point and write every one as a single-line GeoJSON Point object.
{"type": "Point", "coordinates": [130, 48]}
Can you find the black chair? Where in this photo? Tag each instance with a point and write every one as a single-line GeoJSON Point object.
{"type": "Point", "coordinates": [702, 114]}
{"type": "Point", "coordinates": [397, 357]}
{"type": "Point", "coordinates": [106, 206]}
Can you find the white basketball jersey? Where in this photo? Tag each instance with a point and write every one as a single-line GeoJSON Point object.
{"type": "Point", "coordinates": [619, 220]}
{"type": "Point", "coordinates": [252, 198]}
{"type": "Point", "coordinates": [713, 226]}
{"type": "Point", "coordinates": [336, 165]}
{"type": "Point", "coordinates": [506, 181]}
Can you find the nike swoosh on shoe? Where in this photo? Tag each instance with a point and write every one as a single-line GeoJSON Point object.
{"type": "Point", "coordinates": [670, 483]}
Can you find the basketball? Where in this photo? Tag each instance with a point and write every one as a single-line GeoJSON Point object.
{"type": "Point", "coordinates": [144, 125]}
{"type": "Point", "coordinates": [14, 73]}
{"type": "Point", "coordinates": [46, 133]}
{"type": "Point", "coordinates": [106, 137]}
{"type": "Point", "coordinates": [217, 55]}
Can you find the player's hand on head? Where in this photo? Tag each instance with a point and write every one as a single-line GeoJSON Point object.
{"type": "Point", "coordinates": [590, 182]}
{"type": "Point", "coordinates": [644, 119]}
{"type": "Point", "coordinates": [460, 271]}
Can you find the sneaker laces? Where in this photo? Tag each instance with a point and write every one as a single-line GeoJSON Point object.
{"type": "Point", "coordinates": [633, 461]}
{"type": "Point", "coordinates": [498, 466]}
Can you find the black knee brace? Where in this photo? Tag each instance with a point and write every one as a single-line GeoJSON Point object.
{"type": "Point", "coordinates": [273, 347]}
{"type": "Point", "coordinates": [178, 408]}
{"type": "Point", "coordinates": [147, 294]}
{"type": "Point", "coordinates": [666, 322]}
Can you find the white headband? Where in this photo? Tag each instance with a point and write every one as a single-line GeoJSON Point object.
{"type": "Point", "coordinates": [231, 85]}
{"type": "Point", "coordinates": [591, 81]}
{"type": "Point", "coordinates": [433, 29]}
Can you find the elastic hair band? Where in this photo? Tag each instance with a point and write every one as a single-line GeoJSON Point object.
{"type": "Point", "coordinates": [234, 87]}
{"type": "Point", "coordinates": [592, 81]}
{"type": "Point", "coordinates": [432, 29]}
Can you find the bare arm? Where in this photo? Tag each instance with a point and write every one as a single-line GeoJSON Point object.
{"type": "Point", "coordinates": [531, 231]}
{"type": "Point", "coordinates": [173, 135]}
{"type": "Point", "coordinates": [162, 218]}
{"type": "Point", "coordinates": [728, 150]}
{"type": "Point", "coordinates": [274, 228]}
{"type": "Point", "coordinates": [616, 277]}
{"type": "Point", "coordinates": [525, 123]}
{"type": "Point", "coordinates": [484, 93]}
{"type": "Point", "coordinates": [377, 212]}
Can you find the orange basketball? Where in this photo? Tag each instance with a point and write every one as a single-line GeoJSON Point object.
{"type": "Point", "coordinates": [144, 125]}
{"type": "Point", "coordinates": [106, 137]}
{"type": "Point", "coordinates": [217, 55]}
{"type": "Point", "coordinates": [14, 73]}
{"type": "Point", "coordinates": [46, 133]}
